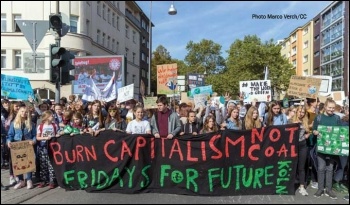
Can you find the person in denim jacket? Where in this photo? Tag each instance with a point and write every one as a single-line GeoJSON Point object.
{"type": "Point", "coordinates": [22, 129]}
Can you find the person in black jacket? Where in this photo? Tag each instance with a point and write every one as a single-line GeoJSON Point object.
{"type": "Point", "coordinates": [190, 127]}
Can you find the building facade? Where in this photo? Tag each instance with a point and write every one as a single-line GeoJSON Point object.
{"type": "Point", "coordinates": [97, 28]}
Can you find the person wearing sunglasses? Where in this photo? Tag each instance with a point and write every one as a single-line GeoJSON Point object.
{"type": "Point", "coordinates": [114, 120]}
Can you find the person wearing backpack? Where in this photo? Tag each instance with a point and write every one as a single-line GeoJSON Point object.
{"type": "Point", "coordinates": [326, 161]}
{"type": "Point", "coordinates": [45, 131]}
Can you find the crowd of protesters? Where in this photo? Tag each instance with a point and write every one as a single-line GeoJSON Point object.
{"type": "Point", "coordinates": [40, 122]}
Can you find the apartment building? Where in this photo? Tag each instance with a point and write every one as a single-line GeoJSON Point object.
{"type": "Point", "coordinates": [333, 51]}
{"type": "Point", "coordinates": [97, 28]}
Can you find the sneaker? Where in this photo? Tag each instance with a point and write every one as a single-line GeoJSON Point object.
{"type": "Point", "coordinates": [331, 194]}
{"type": "Point", "coordinates": [338, 188]}
{"type": "Point", "coordinates": [13, 181]}
{"type": "Point", "coordinates": [346, 198]}
{"type": "Point", "coordinates": [319, 193]}
{"type": "Point", "coordinates": [29, 184]}
{"type": "Point", "coordinates": [314, 185]}
{"type": "Point", "coordinates": [52, 185]}
{"type": "Point", "coordinates": [303, 191]}
{"type": "Point", "coordinates": [344, 188]}
{"type": "Point", "coordinates": [19, 185]}
{"type": "Point", "coordinates": [41, 185]}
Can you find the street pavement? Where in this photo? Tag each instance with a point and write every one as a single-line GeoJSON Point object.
{"type": "Point", "coordinates": [60, 196]}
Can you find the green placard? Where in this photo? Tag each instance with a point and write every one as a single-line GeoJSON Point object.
{"type": "Point", "coordinates": [333, 140]}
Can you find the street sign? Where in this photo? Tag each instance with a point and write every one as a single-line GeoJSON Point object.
{"type": "Point", "coordinates": [34, 31]}
{"type": "Point", "coordinates": [29, 63]}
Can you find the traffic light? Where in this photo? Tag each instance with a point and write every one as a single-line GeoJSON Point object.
{"type": "Point", "coordinates": [66, 77]}
{"type": "Point", "coordinates": [55, 22]}
{"type": "Point", "coordinates": [56, 61]}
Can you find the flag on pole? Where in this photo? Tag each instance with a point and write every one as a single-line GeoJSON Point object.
{"type": "Point", "coordinates": [91, 92]}
{"type": "Point", "coordinates": [109, 93]}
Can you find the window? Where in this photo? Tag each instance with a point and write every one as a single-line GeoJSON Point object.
{"type": "Point", "coordinates": [18, 59]}
{"type": "Point", "coordinates": [294, 63]}
{"type": "Point", "coordinates": [306, 58]}
{"type": "Point", "coordinates": [98, 36]}
{"type": "Point", "coordinates": [103, 39]}
{"type": "Point", "coordinates": [113, 19]}
{"type": "Point", "coordinates": [143, 56]}
{"type": "Point", "coordinates": [108, 15]}
{"type": "Point", "coordinates": [126, 52]}
{"type": "Point", "coordinates": [143, 40]}
{"type": "Point", "coordinates": [88, 27]}
{"type": "Point", "coordinates": [294, 51]}
{"type": "Point", "coordinates": [73, 24]}
{"type": "Point", "coordinates": [316, 37]}
{"type": "Point", "coordinates": [306, 30]}
{"type": "Point", "coordinates": [113, 45]}
{"type": "Point", "coordinates": [118, 23]}
{"type": "Point", "coordinates": [3, 58]}
{"type": "Point", "coordinates": [117, 48]}
{"type": "Point", "coordinates": [133, 78]}
{"type": "Point", "coordinates": [99, 8]}
{"type": "Point", "coordinates": [108, 41]}
{"type": "Point", "coordinates": [133, 57]}
{"type": "Point", "coordinates": [127, 31]}
{"type": "Point", "coordinates": [3, 23]}
{"type": "Point", "coordinates": [317, 53]}
{"type": "Point", "coordinates": [306, 44]}
{"type": "Point", "coordinates": [134, 36]}
{"type": "Point", "coordinates": [104, 11]}
{"type": "Point", "coordinates": [16, 27]}
{"type": "Point", "coordinates": [316, 21]}
{"type": "Point", "coordinates": [294, 37]}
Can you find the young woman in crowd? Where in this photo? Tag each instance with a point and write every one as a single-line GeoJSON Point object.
{"type": "Point", "coordinates": [94, 120]}
{"type": "Point", "coordinates": [210, 125]}
{"type": "Point", "coordinates": [138, 125]}
{"type": "Point", "coordinates": [233, 122]}
{"type": "Point", "coordinates": [77, 122]}
{"type": "Point", "coordinates": [114, 121]}
{"type": "Point", "coordinates": [252, 119]}
{"type": "Point", "coordinates": [301, 118]}
{"type": "Point", "coordinates": [275, 116]}
{"type": "Point", "coordinates": [21, 129]}
{"type": "Point", "coordinates": [45, 131]}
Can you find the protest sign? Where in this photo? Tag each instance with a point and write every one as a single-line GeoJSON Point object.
{"type": "Point", "coordinates": [304, 87]}
{"type": "Point", "coordinates": [333, 140]}
{"type": "Point", "coordinates": [150, 102]}
{"type": "Point", "coordinates": [200, 100]}
{"type": "Point", "coordinates": [201, 90]}
{"type": "Point", "coordinates": [16, 87]}
{"type": "Point", "coordinates": [255, 89]}
{"type": "Point", "coordinates": [166, 78]}
{"type": "Point", "coordinates": [23, 157]}
{"type": "Point", "coordinates": [126, 93]}
{"type": "Point", "coordinates": [227, 163]}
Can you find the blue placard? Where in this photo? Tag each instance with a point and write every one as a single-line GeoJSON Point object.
{"type": "Point", "coordinates": [201, 90]}
{"type": "Point", "coordinates": [16, 87]}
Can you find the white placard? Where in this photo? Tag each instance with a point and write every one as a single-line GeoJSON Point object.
{"type": "Point", "coordinates": [126, 93]}
{"type": "Point", "coordinates": [256, 89]}
{"type": "Point", "coordinates": [200, 99]}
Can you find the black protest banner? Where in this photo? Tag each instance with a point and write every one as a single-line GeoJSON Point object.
{"type": "Point", "coordinates": [254, 162]}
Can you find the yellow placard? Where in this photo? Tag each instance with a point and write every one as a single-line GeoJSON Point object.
{"type": "Point", "coordinates": [304, 87]}
{"type": "Point", "coordinates": [22, 157]}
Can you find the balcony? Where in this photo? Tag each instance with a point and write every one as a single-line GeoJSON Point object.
{"type": "Point", "coordinates": [133, 19]}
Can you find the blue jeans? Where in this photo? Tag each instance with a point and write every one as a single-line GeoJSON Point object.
{"type": "Point", "coordinates": [338, 175]}
{"type": "Point", "coordinates": [29, 176]}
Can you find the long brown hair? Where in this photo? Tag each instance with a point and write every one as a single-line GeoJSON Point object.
{"type": "Point", "coordinates": [206, 122]}
{"type": "Point", "coordinates": [100, 117]}
{"type": "Point", "coordinates": [270, 116]}
{"type": "Point", "coordinates": [116, 114]}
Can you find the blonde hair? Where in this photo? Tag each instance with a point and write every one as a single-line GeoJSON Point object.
{"type": "Point", "coordinates": [17, 122]}
{"type": "Point", "coordinates": [45, 116]}
{"type": "Point", "coordinates": [304, 120]}
{"type": "Point", "coordinates": [249, 122]}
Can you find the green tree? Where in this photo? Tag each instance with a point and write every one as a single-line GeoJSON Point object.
{"type": "Point", "coordinates": [204, 56]}
{"type": "Point", "coordinates": [248, 58]}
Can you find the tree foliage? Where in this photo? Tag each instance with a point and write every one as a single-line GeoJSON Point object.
{"type": "Point", "coordinates": [204, 56]}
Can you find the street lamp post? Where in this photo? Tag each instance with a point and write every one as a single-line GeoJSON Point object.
{"type": "Point", "coordinates": [172, 11]}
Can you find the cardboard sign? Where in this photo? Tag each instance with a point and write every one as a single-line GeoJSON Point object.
{"type": "Point", "coordinates": [150, 102]}
{"type": "Point", "coordinates": [23, 157]}
{"type": "Point", "coordinates": [255, 89]}
{"type": "Point", "coordinates": [304, 87]}
{"type": "Point", "coordinates": [166, 78]}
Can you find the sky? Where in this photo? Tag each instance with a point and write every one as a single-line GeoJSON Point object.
{"type": "Point", "coordinates": [223, 22]}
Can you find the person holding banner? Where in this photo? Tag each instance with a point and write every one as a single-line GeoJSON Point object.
{"type": "Point", "coordinates": [138, 125]}
{"type": "Point", "coordinates": [190, 127]}
{"type": "Point", "coordinates": [93, 121]}
{"type": "Point", "coordinates": [275, 116]}
{"type": "Point", "coordinates": [301, 118]}
{"type": "Point", "coordinates": [326, 161]}
{"type": "Point", "coordinates": [252, 119]}
{"type": "Point", "coordinates": [233, 122]}
{"type": "Point", "coordinates": [114, 121]}
{"type": "Point", "coordinates": [209, 125]}
{"type": "Point", "coordinates": [165, 123]}
{"type": "Point", "coordinates": [22, 129]}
